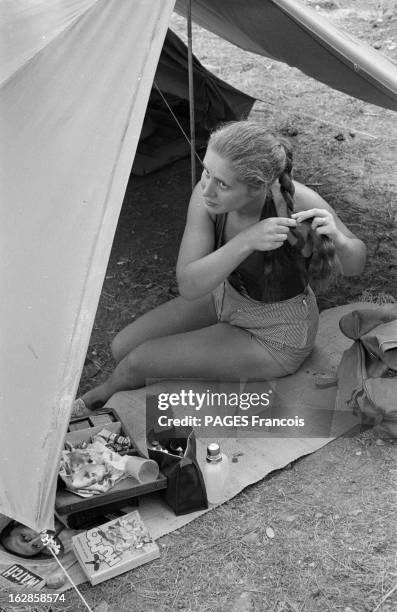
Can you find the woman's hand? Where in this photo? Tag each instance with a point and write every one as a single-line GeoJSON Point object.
{"type": "Point", "coordinates": [350, 250]}
{"type": "Point", "coordinates": [323, 222]}
{"type": "Point", "coordinates": [268, 234]}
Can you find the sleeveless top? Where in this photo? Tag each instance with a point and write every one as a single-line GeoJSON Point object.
{"type": "Point", "coordinates": [268, 276]}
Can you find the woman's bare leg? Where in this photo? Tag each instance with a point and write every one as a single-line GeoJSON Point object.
{"type": "Point", "coordinates": [217, 352]}
{"type": "Point", "coordinates": [173, 317]}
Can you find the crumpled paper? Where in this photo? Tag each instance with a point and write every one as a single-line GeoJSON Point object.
{"type": "Point", "coordinates": [91, 470]}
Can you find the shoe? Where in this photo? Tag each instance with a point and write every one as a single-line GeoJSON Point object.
{"type": "Point", "coordinates": [79, 409]}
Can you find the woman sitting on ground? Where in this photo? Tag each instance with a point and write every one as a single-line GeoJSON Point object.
{"type": "Point", "coordinates": [246, 310]}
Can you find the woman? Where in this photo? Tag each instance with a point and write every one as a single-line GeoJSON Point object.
{"type": "Point", "coordinates": [246, 310]}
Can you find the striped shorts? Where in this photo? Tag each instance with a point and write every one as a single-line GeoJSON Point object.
{"type": "Point", "coordinates": [286, 329]}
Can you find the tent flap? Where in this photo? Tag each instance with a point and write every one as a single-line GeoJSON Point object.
{"type": "Point", "coordinates": [289, 31]}
{"type": "Point", "coordinates": [161, 142]}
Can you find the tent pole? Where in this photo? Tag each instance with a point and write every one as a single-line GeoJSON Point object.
{"type": "Point", "coordinates": [191, 95]}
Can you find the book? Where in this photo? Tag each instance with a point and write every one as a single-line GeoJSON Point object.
{"type": "Point", "coordinates": [115, 547]}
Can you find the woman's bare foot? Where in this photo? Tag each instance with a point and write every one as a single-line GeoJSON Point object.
{"type": "Point", "coordinates": [80, 408]}
{"type": "Point", "coordinates": [96, 398]}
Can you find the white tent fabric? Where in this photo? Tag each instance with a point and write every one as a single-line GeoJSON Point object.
{"type": "Point", "coordinates": [75, 79]}
{"type": "Point", "coordinates": [66, 161]}
{"type": "Point", "coordinates": [296, 34]}
{"type": "Point", "coordinates": [29, 27]}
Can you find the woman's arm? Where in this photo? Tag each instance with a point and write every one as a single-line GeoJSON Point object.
{"type": "Point", "coordinates": [200, 268]}
{"type": "Point", "coordinates": [351, 251]}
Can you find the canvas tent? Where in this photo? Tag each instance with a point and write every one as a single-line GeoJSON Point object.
{"type": "Point", "coordinates": [75, 79]}
{"type": "Point", "coordinates": [161, 140]}
{"type": "Point", "coordinates": [291, 32]}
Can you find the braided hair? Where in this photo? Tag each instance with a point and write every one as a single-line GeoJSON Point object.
{"type": "Point", "coordinates": [287, 190]}
{"type": "Point", "coordinates": [323, 247]}
{"type": "Point", "coordinates": [259, 159]}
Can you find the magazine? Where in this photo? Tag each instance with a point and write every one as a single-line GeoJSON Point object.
{"type": "Point", "coordinates": [115, 547]}
{"type": "Point", "coordinates": [17, 575]}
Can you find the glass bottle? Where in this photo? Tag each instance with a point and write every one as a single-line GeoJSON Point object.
{"type": "Point", "coordinates": [215, 472]}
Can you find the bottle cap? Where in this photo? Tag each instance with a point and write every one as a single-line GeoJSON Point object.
{"type": "Point", "coordinates": [214, 453]}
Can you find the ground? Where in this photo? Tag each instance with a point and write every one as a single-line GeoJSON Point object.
{"type": "Point", "coordinates": [331, 512]}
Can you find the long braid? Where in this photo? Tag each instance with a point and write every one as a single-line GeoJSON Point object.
{"type": "Point", "coordinates": [325, 250]}
{"type": "Point", "coordinates": [287, 191]}
{"type": "Point", "coordinates": [323, 246]}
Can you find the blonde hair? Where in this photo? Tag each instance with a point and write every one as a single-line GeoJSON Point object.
{"type": "Point", "coordinates": [257, 157]}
